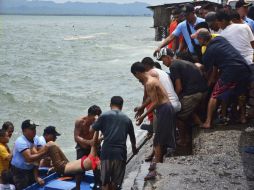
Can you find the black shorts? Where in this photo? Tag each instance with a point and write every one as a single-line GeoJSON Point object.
{"type": "Point", "coordinates": [112, 171]}
{"type": "Point", "coordinates": [82, 152]}
{"type": "Point", "coordinates": [22, 178]}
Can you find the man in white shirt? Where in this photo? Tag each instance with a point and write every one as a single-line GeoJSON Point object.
{"type": "Point", "coordinates": [239, 36]}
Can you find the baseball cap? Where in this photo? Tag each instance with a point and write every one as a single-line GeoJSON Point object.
{"type": "Point", "coordinates": [51, 130]}
{"type": "Point", "coordinates": [242, 3]}
{"type": "Point", "coordinates": [28, 124]}
{"type": "Point", "coordinates": [188, 8]}
{"type": "Point", "coordinates": [164, 51]}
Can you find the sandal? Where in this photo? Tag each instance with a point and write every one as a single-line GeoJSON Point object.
{"type": "Point", "coordinates": [150, 176]}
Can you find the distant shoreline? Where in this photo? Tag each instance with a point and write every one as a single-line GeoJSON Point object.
{"type": "Point", "coordinates": [28, 14]}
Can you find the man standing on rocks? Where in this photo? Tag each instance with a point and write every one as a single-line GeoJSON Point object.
{"type": "Point", "coordinates": [189, 86]}
{"type": "Point", "coordinates": [223, 59]}
{"type": "Point", "coordinates": [115, 126]}
{"type": "Point", "coordinates": [159, 100]}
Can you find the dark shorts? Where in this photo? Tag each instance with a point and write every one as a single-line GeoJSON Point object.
{"type": "Point", "coordinates": [189, 104]}
{"type": "Point", "coordinates": [112, 171]}
{"type": "Point", "coordinates": [22, 178]}
{"type": "Point", "coordinates": [166, 126]}
{"type": "Point", "coordinates": [82, 152]}
{"type": "Point", "coordinates": [252, 73]}
{"type": "Point", "coordinates": [223, 90]}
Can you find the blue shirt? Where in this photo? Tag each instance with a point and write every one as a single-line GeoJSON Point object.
{"type": "Point", "coordinates": [250, 22]}
{"type": "Point", "coordinates": [18, 160]}
{"type": "Point", "coordinates": [182, 29]}
{"type": "Point", "coordinates": [232, 66]}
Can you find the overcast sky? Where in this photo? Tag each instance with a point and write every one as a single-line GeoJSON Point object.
{"type": "Point", "coordinates": [153, 2]}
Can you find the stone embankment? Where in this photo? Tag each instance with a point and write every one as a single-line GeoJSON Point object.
{"type": "Point", "coordinates": [218, 162]}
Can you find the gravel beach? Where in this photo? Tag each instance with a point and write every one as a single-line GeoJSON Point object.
{"type": "Point", "coordinates": [218, 162]}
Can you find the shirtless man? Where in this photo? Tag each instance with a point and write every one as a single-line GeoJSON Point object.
{"type": "Point", "coordinates": [83, 137]}
{"type": "Point", "coordinates": [159, 100]}
{"type": "Point", "coordinates": [166, 82]}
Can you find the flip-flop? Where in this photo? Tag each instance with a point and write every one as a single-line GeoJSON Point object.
{"type": "Point", "coordinates": [150, 176]}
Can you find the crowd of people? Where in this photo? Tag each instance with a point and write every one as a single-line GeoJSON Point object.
{"type": "Point", "coordinates": [209, 53]}
{"type": "Point", "coordinates": [210, 81]}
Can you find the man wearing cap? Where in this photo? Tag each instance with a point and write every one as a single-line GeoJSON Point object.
{"type": "Point", "coordinates": [227, 63]}
{"type": "Point", "coordinates": [186, 28]}
{"type": "Point", "coordinates": [49, 134]}
{"type": "Point", "coordinates": [242, 8]}
{"type": "Point", "coordinates": [24, 173]}
{"type": "Point", "coordinates": [189, 86]}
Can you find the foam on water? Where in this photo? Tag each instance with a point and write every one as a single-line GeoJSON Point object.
{"type": "Point", "coordinates": [53, 81]}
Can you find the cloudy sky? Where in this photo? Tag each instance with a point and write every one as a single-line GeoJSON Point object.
{"type": "Point", "coordinates": [153, 2]}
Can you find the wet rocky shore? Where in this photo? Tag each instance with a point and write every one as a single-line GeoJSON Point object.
{"type": "Point", "coordinates": [218, 162]}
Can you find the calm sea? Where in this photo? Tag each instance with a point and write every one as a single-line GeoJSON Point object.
{"type": "Point", "coordinates": [52, 68]}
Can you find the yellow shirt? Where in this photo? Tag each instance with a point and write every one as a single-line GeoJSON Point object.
{"type": "Point", "coordinates": [4, 160]}
{"type": "Point", "coordinates": [203, 48]}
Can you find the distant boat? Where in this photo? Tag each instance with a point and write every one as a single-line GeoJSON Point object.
{"type": "Point", "coordinates": [56, 182]}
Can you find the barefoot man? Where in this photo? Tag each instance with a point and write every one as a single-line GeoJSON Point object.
{"type": "Point", "coordinates": [84, 137]}
{"type": "Point", "coordinates": [157, 96]}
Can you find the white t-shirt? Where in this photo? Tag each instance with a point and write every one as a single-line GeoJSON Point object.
{"type": "Point", "coordinates": [240, 36]}
{"type": "Point", "coordinates": [40, 141]}
{"type": "Point", "coordinates": [167, 84]}
{"type": "Point", "coordinates": [7, 187]}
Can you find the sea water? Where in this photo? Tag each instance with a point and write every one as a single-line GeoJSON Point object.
{"type": "Point", "coordinates": [52, 68]}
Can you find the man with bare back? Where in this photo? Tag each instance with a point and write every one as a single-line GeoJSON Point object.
{"type": "Point", "coordinates": [83, 136]}
{"type": "Point", "coordinates": [159, 100]}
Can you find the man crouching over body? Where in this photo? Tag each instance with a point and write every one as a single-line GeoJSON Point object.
{"type": "Point", "coordinates": [165, 131]}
